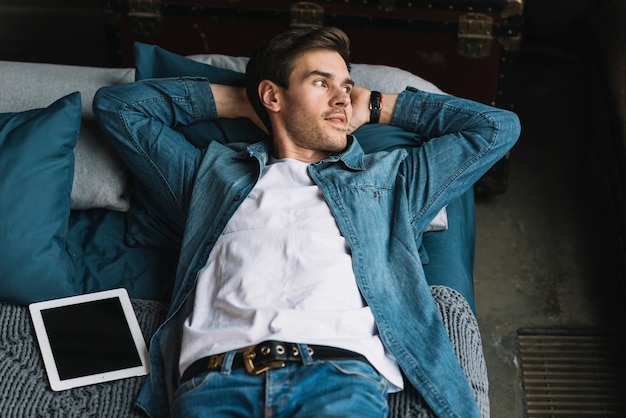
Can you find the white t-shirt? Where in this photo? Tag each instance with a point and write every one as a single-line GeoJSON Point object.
{"type": "Point", "coordinates": [282, 271]}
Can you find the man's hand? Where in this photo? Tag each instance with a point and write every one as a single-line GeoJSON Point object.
{"type": "Point", "coordinates": [232, 102]}
{"type": "Point", "coordinates": [360, 98]}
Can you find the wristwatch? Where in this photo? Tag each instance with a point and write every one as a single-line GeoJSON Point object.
{"type": "Point", "coordinates": [376, 104]}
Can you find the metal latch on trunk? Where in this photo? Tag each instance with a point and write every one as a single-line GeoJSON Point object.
{"type": "Point", "coordinates": [475, 35]}
{"type": "Point", "coordinates": [145, 17]}
{"type": "Point", "coordinates": [305, 14]}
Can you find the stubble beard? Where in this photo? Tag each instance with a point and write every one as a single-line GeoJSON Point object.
{"type": "Point", "coordinates": [314, 136]}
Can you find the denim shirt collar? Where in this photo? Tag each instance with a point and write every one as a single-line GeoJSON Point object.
{"type": "Point", "coordinates": [351, 157]}
{"type": "Point", "coordinates": [259, 150]}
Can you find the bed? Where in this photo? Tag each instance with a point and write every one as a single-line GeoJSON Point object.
{"type": "Point", "coordinates": [71, 222]}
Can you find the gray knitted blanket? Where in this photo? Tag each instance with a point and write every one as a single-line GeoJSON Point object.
{"type": "Point", "coordinates": [24, 389]}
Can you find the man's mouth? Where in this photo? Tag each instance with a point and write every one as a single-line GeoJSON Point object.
{"type": "Point", "coordinates": [338, 118]}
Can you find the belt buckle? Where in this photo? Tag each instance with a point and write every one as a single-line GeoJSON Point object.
{"type": "Point", "coordinates": [253, 369]}
{"type": "Point", "coordinates": [216, 361]}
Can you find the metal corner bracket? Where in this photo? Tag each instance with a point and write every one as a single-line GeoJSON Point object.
{"type": "Point", "coordinates": [475, 35]}
{"type": "Point", "coordinates": [305, 14]}
{"type": "Point", "coordinates": [512, 8]}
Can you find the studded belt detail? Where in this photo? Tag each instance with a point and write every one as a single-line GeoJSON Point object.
{"type": "Point", "coordinates": [268, 355]}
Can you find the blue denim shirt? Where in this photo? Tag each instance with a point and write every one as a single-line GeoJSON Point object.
{"type": "Point", "coordinates": [381, 201]}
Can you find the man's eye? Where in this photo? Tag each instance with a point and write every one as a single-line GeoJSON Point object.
{"type": "Point", "coordinates": [347, 89]}
{"type": "Point", "coordinates": [320, 83]}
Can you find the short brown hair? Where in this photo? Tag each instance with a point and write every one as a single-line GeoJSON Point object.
{"type": "Point", "coordinates": [274, 59]}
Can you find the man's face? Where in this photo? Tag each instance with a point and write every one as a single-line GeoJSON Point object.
{"type": "Point", "coordinates": [316, 108]}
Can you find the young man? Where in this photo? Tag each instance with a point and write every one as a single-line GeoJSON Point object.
{"type": "Point", "coordinates": [300, 290]}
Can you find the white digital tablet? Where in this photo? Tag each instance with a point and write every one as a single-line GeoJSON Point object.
{"type": "Point", "coordinates": [91, 338]}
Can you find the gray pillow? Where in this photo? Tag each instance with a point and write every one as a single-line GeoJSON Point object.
{"type": "Point", "coordinates": [100, 177]}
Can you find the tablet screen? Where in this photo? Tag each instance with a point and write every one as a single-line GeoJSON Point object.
{"type": "Point", "coordinates": [89, 339]}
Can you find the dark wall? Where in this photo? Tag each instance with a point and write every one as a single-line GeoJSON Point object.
{"type": "Point", "coordinates": [58, 31]}
{"type": "Point", "coordinates": [608, 61]}
{"type": "Point", "coordinates": [75, 31]}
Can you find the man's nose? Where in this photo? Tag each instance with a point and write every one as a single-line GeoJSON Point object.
{"type": "Point", "coordinates": [342, 97]}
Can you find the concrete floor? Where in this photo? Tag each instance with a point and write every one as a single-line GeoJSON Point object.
{"type": "Point", "coordinates": [538, 257]}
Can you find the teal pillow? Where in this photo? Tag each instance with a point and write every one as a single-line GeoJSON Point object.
{"type": "Point", "coordinates": [36, 172]}
{"type": "Point", "coordinates": [152, 61]}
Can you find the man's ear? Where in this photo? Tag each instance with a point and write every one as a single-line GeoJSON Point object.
{"type": "Point", "coordinates": [269, 94]}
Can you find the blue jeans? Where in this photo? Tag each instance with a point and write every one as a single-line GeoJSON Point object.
{"type": "Point", "coordinates": [339, 388]}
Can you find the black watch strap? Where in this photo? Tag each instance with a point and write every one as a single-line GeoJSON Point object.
{"type": "Point", "coordinates": [376, 104]}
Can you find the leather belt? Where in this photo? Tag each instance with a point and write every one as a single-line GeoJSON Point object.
{"type": "Point", "coordinates": [267, 355]}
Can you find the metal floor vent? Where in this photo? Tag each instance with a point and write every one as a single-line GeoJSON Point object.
{"type": "Point", "coordinates": [571, 373]}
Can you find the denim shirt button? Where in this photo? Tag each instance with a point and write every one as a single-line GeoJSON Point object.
{"type": "Point", "coordinates": [237, 197]}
